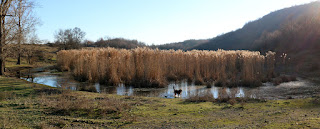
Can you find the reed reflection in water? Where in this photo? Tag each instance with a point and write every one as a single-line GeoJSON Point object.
{"type": "Point", "coordinates": [267, 91]}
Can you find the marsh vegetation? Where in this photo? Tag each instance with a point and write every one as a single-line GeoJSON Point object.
{"type": "Point", "coordinates": [143, 67]}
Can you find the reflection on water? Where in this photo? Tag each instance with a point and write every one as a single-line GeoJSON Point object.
{"type": "Point", "coordinates": [65, 81]}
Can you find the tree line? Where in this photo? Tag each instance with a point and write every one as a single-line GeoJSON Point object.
{"type": "Point", "coordinates": [17, 28]}
{"type": "Point", "coordinates": [75, 39]}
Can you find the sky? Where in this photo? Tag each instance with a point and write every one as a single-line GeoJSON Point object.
{"type": "Point", "coordinates": [152, 21]}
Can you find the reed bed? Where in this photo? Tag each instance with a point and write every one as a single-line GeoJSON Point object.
{"type": "Point", "coordinates": [144, 67]}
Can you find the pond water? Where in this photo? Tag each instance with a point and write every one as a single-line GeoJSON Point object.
{"type": "Point", "coordinates": [296, 89]}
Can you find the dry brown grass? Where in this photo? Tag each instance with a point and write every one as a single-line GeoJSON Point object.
{"type": "Point", "coordinates": [208, 97]}
{"type": "Point", "coordinates": [71, 104]}
{"type": "Point", "coordinates": [143, 67]}
{"type": "Point", "coordinates": [284, 78]}
{"type": "Point", "coordinates": [5, 95]}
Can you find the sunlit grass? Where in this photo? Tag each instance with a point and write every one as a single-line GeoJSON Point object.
{"type": "Point", "coordinates": [11, 62]}
{"type": "Point", "coordinates": [33, 55]}
{"type": "Point", "coordinates": [27, 105]}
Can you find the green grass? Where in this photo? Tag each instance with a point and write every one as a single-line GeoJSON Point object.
{"type": "Point", "coordinates": [11, 62]}
{"type": "Point", "coordinates": [18, 87]}
{"type": "Point", "coordinates": [27, 105]}
{"type": "Point", "coordinates": [49, 55]}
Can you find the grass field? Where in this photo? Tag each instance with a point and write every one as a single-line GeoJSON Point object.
{"type": "Point", "coordinates": [33, 56]}
{"type": "Point", "coordinates": [28, 105]}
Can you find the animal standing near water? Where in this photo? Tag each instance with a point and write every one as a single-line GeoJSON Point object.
{"type": "Point", "coordinates": [177, 93]}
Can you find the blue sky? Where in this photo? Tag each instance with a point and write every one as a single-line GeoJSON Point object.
{"type": "Point", "coordinates": [152, 21]}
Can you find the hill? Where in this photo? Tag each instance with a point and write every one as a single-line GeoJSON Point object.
{"type": "Point", "coordinates": [185, 45]}
{"type": "Point", "coordinates": [294, 31]}
{"type": "Point", "coordinates": [245, 37]}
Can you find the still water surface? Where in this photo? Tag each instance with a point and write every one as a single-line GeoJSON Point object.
{"type": "Point", "coordinates": [296, 89]}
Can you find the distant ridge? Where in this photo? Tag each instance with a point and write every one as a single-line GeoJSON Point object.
{"type": "Point", "coordinates": [245, 37]}
{"type": "Point", "coordinates": [294, 31]}
{"type": "Point", "coordinates": [185, 45]}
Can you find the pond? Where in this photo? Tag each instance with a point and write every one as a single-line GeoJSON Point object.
{"type": "Point", "coordinates": [297, 89]}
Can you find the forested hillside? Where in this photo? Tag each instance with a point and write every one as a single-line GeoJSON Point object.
{"type": "Point", "coordinates": [185, 45]}
{"type": "Point", "coordinates": [294, 31]}
{"type": "Point", "coordinates": [246, 37]}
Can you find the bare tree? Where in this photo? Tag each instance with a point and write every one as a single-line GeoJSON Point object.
{"type": "Point", "coordinates": [26, 22]}
{"type": "Point", "coordinates": [16, 22]}
{"type": "Point", "coordinates": [4, 13]}
{"type": "Point", "coordinates": [69, 38]}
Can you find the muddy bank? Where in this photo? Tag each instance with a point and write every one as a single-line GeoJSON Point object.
{"type": "Point", "coordinates": [290, 90]}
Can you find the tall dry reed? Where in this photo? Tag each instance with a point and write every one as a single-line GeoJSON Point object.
{"type": "Point", "coordinates": [144, 67]}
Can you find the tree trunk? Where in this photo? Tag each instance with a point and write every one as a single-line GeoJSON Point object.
{"type": "Point", "coordinates": [1, 44]}
{"type": "Point", "coordinates": [19, 34]}
{"type": "Point", "coordinates": [4, 6]}
{"type": "Point", "coordinates": [29, 60]}
{"type": "Point", "coordinates": [1, 65]}
{"type": "Point", "coordinates": [2, 57]}
{"type": "Point", "coordinates": [19, 59]}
